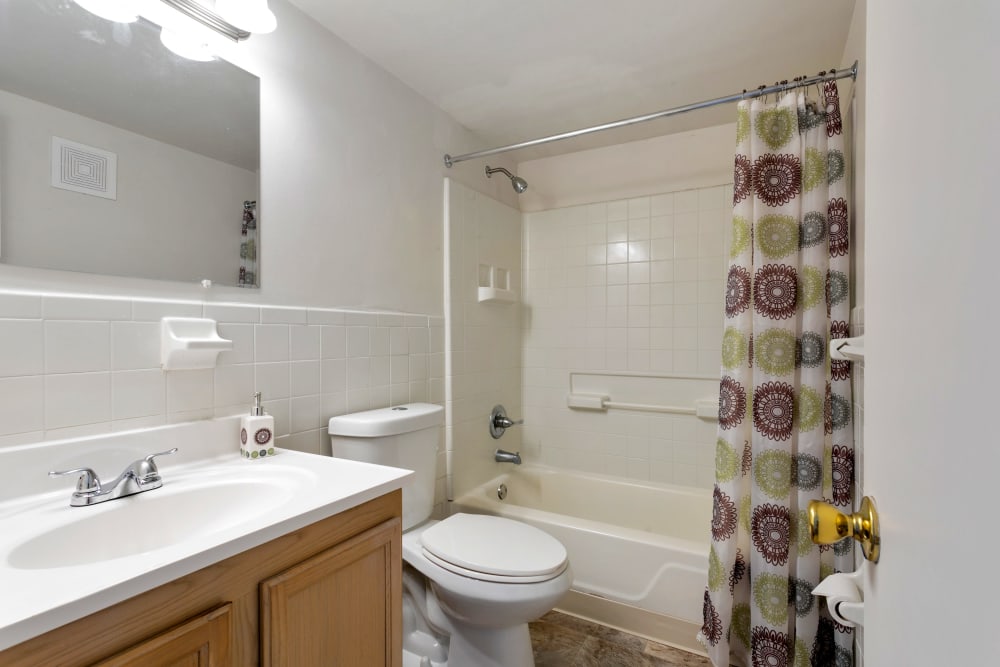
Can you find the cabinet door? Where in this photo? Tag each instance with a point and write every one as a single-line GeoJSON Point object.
{"type": "Point", "coordinates": [341, 607]}
{"type": "Point", "coordinates": [204, 641]}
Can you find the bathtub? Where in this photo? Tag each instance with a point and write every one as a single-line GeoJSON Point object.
{"type": "Point", "coordinates": [640, 544]}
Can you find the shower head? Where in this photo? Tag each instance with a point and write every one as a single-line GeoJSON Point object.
{"type": "Point", "coordinates": [518, 183]}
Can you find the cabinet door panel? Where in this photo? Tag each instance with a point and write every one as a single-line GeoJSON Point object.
{"type": "Point", "coordinates": [340, 607]}
{"type": "Point", "coordinates": [204, 641]}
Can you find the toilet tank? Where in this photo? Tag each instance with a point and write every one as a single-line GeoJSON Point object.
{"type": "Point", "coordinates": [405, 436]}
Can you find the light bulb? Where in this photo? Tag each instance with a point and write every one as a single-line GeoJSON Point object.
{"type": "Point", "coordinates": [250, 15]}
{"type": "Point", "coordinates": [119, 11]}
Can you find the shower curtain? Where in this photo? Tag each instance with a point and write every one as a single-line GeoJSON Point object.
{"type": "Point", "coordinates": [785, 435]}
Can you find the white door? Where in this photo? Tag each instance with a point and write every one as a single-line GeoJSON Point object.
{"type": "Point", "coordinates": [932, 325]}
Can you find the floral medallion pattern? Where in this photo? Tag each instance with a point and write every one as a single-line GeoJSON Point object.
{"type": "Point", "coordinates": [775, 289]}
{"type": "Point", "coordinates": [738, 291]}
{"type": "Point", "coordinates": [732, 403]}
{"type": "Point", "coordinates": [785, 414]}
{"type": "Point", "coordinates": [777, 179]}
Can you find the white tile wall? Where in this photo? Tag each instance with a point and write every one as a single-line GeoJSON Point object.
{"type": "Point", "coordinates": [635, 286]}
{"type": "Point", "coordinates": [76, 365]}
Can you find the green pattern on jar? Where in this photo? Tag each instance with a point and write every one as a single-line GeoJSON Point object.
{"type": "Point", "coordinates": [774, 351]}
{"type": "Point", "coordinates": [741, 237]}
{"type": "Point", "coordinates": [742, 124]}
{"type": "Point", "coordinates": [813, 169]}
{"type": "Point", "coordinates": [741, 623]}
{"type": "Point", "coordinates": [800, 533]}
{"type": "Point", "coordinates": [835, 166]}
{"type": "Point", "coordinates": [772, 470]}
{"type": "Point", "coordinates": [770, 594]}
{"type": "Point", "coordinates": [776, 126]}
{"type": "Point", "coordinates": [734, 348]}
{"type": "Point", "coordinates": [727, 463]}
{"type": "Point", "coordinates": [777, 235]}
{"type": "Point", "coordinates": [801, 654]}
{"type": "Point", "coordinates": [809, 409]}
{"type": "Point", "coordinates": [745, 506]}
{"type": "Point", "coordinates": [812, 287]}
{"type": "Point", "coordinates": [716, 575]}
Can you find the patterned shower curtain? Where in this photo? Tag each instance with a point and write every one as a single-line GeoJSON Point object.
{"type": "Point", "coordinates": [785, 434]}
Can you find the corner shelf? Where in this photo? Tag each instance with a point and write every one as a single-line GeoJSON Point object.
{"type": "Point", "coordinates": [496, 295]}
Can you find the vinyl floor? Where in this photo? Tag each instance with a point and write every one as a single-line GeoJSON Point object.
{"type": "Point", "coordinates": [561, 640]}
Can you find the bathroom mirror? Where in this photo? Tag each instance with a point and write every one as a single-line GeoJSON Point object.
{"type": "Point", "coordinates": [117, 156]}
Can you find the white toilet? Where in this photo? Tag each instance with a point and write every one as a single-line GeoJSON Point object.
{"type": "Point", "coordinates": [471, 582]}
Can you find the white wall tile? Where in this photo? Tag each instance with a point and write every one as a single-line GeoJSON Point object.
{"type": "Point", "coordinates": [138, 393]}
{"type": "Point", "coordinates": [304, 378]}
{"type": "Point", "coordinates": [242, 336]}
{"type": "Point", "coordinates": [232, 313]}
{"type": "Point", "coordinates": [333, 376]}
{"type": "Point", "coordinates": [22, 401]}
{"type": "Point", "coordinates": [76, 399]}
{"type": "Point", "coordinates": [272, 380]}
{"type": "Point", "coordinates": [333, 342]}
{"type": "Point", "coordinates": [22, 352]}
{"type": "Point", "coordinates": [74, 347]}
{"type": "Point", "coordinates": [189, 391]}
{"type": "Point", "coordinates": [280, 315]}
{"type": "Point", "coordinates": [234, 385]}
{"type": "Point", "coordinates": [358, 344]}
{"type": "Point", "coordinates": [136, 345]}
{"type": "Point", "coordinates": [271, 342]}
{"type": "Point", "coordinates": [304, 342]}
{"type": "Point", "coordinates": [154, 311]}
{"type": "Point", "coordinates": [70, 308]}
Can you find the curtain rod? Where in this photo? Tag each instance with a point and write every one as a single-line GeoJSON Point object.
{"type": "Point", "coordinates": [833, 75]}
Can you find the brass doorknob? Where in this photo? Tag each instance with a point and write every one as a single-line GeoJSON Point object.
{"type": "Point", "coordinates": [828, 525]}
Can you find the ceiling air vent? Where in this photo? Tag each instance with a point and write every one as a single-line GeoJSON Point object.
{"type": "Point", "coordinates": [84, 169]}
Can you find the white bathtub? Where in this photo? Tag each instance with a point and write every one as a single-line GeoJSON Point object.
{"type": "Point", "coordinates": [637, 543]}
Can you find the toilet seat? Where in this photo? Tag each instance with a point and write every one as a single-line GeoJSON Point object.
{"type": "Point", "coordinates": [492, 548]}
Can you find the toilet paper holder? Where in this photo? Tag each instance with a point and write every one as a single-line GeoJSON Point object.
{"type": "Point", "coordinates": [828, 525]}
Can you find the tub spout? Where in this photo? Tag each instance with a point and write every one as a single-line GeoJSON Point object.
{"type": "Point", "coordinates": [501, 456]}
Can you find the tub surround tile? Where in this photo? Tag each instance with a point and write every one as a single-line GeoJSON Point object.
{"type": "Point", "coordinates": [279, 315]}
{"type": "Point", "coordinates": [154, 311]}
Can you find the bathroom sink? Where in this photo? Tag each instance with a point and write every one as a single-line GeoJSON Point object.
{"type": "Point", "coordinates": [59, 563]}
{"type": "Point", "coordinates": [182, 511]}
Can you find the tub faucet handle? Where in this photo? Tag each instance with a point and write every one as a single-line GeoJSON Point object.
{"type": "Point", "coordinates": [499, 422]}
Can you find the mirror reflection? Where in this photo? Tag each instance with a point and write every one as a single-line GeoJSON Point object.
{"type": "Point", "coordinates": [119, 157]}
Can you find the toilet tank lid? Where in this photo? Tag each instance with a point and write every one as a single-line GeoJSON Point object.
{"type": "Point", "coordinates": [387, 421]}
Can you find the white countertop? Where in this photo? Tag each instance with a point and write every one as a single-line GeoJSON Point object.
{"type": "Point", "coordinates": [43, 588]}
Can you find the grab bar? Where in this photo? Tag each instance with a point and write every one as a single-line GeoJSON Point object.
{"type": "Point", "coordinates": [707, 408]}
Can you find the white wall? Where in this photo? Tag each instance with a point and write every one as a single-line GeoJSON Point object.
{"type": "Point", "coordinates": [484, 351]}
{"type": "Point", "coordinates": [177, 215]}
{"type": "Point", "coordinates": [931, 458]}
{"type": "Point", "coordinates": [681, 161]}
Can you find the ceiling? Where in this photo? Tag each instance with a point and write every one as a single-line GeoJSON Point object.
{"type": "Point", "coordinates": [514, 70]}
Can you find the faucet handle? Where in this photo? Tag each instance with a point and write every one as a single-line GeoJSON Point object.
{"type": "Point", "coordinates": [149, 459]}
{"type": "Point", "coordinates": [146, 469]}
{"type": "Point", "coordinates": [88, 482]}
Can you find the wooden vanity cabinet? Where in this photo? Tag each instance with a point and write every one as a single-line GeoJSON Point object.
{"type": "Point", "coordinates": [328, 594]}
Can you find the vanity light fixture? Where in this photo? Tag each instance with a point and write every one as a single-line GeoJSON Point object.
{"type": "Point", "coordinates": [118, 11]}
{"type": "Point", "coordinates": [189, 27]}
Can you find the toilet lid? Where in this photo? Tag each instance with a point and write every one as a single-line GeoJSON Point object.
{"type": "Point", "coordinates": [494, 545]}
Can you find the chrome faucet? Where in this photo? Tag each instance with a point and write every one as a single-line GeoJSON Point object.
{"type": "Point", "coordinates": [140, 475]}
{"type": "Point", "coordinates": [502, 456]}
{"type": "Point", "coordinates": [499, 422]}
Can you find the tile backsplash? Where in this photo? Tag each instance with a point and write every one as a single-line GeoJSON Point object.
{"type": "Point", "coordinates": [74, 365]}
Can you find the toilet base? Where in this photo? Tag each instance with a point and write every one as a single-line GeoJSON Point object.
{"type": "Point", "coordinates": [490, 647]}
